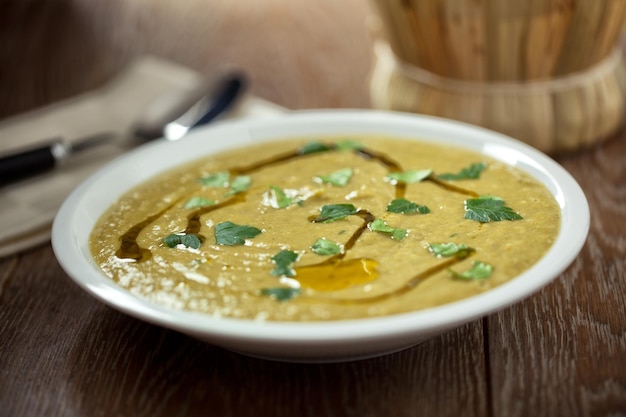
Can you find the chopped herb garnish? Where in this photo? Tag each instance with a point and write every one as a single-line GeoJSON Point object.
{"type": "Point", "coordinates": [489, 208]}
{"type": "Point", "coordinates": [380, 226]}
{"type": "Point", "coordinates": [278, 197]}
{"type": "Point", "coordinates": [219, 179]}
{"type": "Point", "coordinates": [325, 247]}
{"type": "Point", "coordinates": [231, 234]}
{"type": "Point", "coordinates": [190, 241]}
{"type": "Point", "coordinates": [284, 261]}
{"type": "Point", "coordinates": [338, 178]}
{"type": "Point", "coordinates": [197, 202]}
{"type": "Point", "coordinates": [470, 173]}
{"type": "Point", "coordinates": [410, 176]}
{"type": "Point", "coordinates": [281, 293]}
{"type": "Point", "coordinates": [239, 184]}
{"type": "Point", "coordinates": [333, 212]}
{"type": "Point", "coordinates": [450, 249]}
{"type": "Point", "coordinates": [348, 145]}
{"type": "Point", "coordinates": [479, 270]}
{"type": "Point", "coordinates": [404, 206]}
{"type": "Point", "coordinates": [314, 147]}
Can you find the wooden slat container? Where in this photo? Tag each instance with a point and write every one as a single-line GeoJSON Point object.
{"type": "Point", "coordinates": [548, 72]}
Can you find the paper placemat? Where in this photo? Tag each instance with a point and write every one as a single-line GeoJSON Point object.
{"type": "Point", "coordinates": [27, 208]}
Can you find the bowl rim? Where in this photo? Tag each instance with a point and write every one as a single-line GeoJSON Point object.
{"type": "Point", "coordinates": [575, 223]}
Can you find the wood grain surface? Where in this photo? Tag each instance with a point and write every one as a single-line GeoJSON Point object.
{"type": "Point", "coordinates": [561, 352]}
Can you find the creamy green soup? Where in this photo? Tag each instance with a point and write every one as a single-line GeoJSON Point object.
{"type": "Point", "coordinates": [326, 228]}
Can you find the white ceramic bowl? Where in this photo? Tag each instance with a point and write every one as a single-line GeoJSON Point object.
{"type": "Point", "coordinates": [316, 341]}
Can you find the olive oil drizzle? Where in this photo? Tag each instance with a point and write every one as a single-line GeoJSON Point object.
{"type": "Point", "coordinates": [408, 286]}
{"type": "Point", "coordinates": [130, 250]}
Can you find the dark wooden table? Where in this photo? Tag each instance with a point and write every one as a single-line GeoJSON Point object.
{"type": "Point", "coordinates": [561, 352]}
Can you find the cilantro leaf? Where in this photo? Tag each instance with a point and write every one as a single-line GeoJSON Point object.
{"type": "Point", "coordinates": [348, 145]}
{"type": "Point", "coordinates": [190, 241]}
{"type": "Point", "coordinates": [217, 180]}
{"type": "Point", "coordinates": [231, 234]}
{"type": "Point", "coordinates": [471, 172]}
{"type": "Point", "coordinates": [450, 249]}
{"type": "Point", "coordinates": [171, 240]}
{"type": "Point", "coordinates": [338, 178]}
{"type": "Point", "coordinates": [239, 184]}
{"type": "Point", "coordinates": [197, 202]}
{"type": "Point", "coordinates": [479, 270]}
{"type": "Point", "coordinates": [404, 206]}
{"type": "Point", "coordinates": [314, 147]}
{"type": "Point", "coordinates": [333, 212]}
{"type": "Point", "coordinates": [488, 208]}
{"type": "Point", "coordinates": [380, 226]}
{"type": "Point", "coordinates": [278, 197]}
{"type": "Point", "coordinates": [284, 260]}
{"type": "Point", "coordinates": [324, 246]}
{"type": "Point", "coordinates": [281, 293]}
{"type": "Point", "coordinates": [410, 176]}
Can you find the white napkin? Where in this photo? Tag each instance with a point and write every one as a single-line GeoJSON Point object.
{"type": "Point", "coordinates": [27, 208]}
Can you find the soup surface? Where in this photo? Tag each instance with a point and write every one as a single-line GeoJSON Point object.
{"type": "Point", "coordinates": [326, 228]}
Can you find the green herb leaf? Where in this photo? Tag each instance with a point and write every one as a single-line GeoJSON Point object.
{"type": "Point", "coordinates": [333, 212]}
{"type": "Point", "coordinates": [471, 172]}
{"type": "Point", "coordinates": [217, 180]}
{"type": "Point", "coordinates": [410, 176]}
{"type": "Point", "coordinates": [278, 197]}
{"type": "Point", "coordinates": [197, 202]}
{"type": "Point", "coordinates": [380, 226]}
{"type": "Point", "coordinates": [325, 247]}
{"type": "Point", "coordinates": [338, 178]}
{"type": "Point", "coordinates": [450, 249]}
{"type": "Point", "coordinates": [479, 270]}
{"type": "Point", "coordinates": [171, 240]}
{"type": "Point", "coordinates": [348, 145]}
{"type": "Point", "coordinates": [489, 208]}
{"type": "Point", "coordinates": [190, 241]}
{"type": "Point", "coordinates": [404, 206]}
{"type": "Point", "coordinates": [239, 184]}
{"type": "Point", "coordinates": [231, 234]}
{"type": "Point", "coordinates": [281, 293]}
{"type": "Point", "coordinates": [314, 147]}
{"type": "Point", "coordinates": [284, 261]}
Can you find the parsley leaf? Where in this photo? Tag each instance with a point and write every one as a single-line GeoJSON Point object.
{"type": "Point", "coordinates": [450, 249]}
{"type": "Point", "coordinates": [190, 241]}
{"type": "Point", "coordinates": [404, 206]}
{"type": "Point", "coordinates": [380, 226]}
{"type": "Point", "coordinates": [410, 176]}
{"type": "Point", "coordinates": [470, 173]}
{"type": "Point", "coordinates": [284, 260]}
{"type": "Point", "coordinates": [348, 145]}
{"type": "Point", "coordinates": [479, 270]}
{"type": "Point", "coordinates": [281, 293]}
{"type": "Point", "coordinates": [197, 202]}
{"type": "Point", "coordinates": [231, 234]}
{"type": "Point", "coordinates": [333, 212]}
{"type": "Point", "coordinates": [488, 208]}
{"type": "Point", "coordinates": [239, 184]}
{"type": "Point", "coordinates": [219, 179]}
{"type": "Point", "coordinates": [338, 178]}
{"type": "Point", "coordinates": [324, 246]}
{"type": "Point", "coordinates": [314, 147]}
{"type": "Point", "coordinates": [278, 197]}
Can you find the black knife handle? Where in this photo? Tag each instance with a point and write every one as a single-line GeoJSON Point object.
{"type": "Point", "coordinates": [26, 163]}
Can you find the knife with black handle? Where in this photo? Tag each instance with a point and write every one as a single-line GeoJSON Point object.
{"type": "Point", "coordinates": [200, 107]}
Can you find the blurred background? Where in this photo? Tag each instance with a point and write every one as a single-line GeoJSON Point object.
{"type": "Point", "coordinates": [315, 53]}
{"type": "Point", "coordinates": [548, 72]}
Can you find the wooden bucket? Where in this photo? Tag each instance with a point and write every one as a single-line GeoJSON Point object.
{"type": "Point", "coordinates": [548, 72]}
